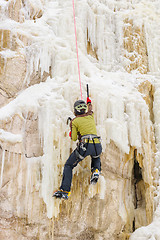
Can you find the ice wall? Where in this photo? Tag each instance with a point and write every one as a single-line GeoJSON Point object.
{"type": "Point", "coordinates": [152, 231]}
{"type": "Point", "coordinates": [118, 42]}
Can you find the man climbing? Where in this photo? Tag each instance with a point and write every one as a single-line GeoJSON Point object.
{"type": "Point", "coordinates": [82, 127]}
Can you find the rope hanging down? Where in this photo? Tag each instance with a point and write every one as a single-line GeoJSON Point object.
{"type": "Point", "coordinates": [77, 49]}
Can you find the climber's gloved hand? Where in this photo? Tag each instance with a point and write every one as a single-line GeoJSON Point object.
{"type": "Point", "coordinates": [70, 134]}
{"type": "Point", "coordinates": [88, 100]}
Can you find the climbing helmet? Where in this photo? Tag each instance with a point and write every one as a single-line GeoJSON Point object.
{"type": "Point", "coordinates": [80, 107]}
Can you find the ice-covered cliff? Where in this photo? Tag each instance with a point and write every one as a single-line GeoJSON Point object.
{"type": "Point", "coordinates": [119, 46]}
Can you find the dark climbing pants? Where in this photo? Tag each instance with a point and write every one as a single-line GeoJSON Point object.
{"type": "Point", "coordinates": [82, 151]}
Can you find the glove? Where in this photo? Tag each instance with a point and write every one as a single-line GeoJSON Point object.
{"type": "Point", "coordinates": [70, 134]}
{"type": "Point", "coordinates": [88, 100]}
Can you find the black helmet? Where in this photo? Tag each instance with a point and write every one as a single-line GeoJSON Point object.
{"type": "Point", "coordinates": [80, 107]}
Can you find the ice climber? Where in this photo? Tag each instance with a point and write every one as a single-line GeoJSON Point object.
{"type": "Point", "coordinates": [83, 128]}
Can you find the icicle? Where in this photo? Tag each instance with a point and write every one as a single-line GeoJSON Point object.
{"type": "Point", "coordinates": [19, 183]}
{"type": "Point", "coordinates": [2, 167]}
{"type": "Point", "coordinates": [102, 183]}
{"type": "Point", "coordinates": [28, 178]}
{"type": "Point", "coordinates": [9, 154]}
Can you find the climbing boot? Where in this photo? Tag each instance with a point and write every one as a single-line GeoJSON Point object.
{"type": "Point", "coordinates": [94, 176]}
{"type": "Point", "coordinates": [61, 194]}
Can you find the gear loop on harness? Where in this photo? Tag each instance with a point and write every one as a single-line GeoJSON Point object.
{"type": "Point", "coordinates": [82, 146]}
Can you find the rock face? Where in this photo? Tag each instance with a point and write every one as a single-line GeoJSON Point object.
{"type": "Point", "coordinates": [34, 143]}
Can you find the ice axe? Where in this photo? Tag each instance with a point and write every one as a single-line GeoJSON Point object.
{"type": "Point", "coordinates": [69, 119]}
{"type": "Point", "coordinates": [88, 99]}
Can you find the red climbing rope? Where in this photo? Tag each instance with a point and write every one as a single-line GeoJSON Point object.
{"type": "Point", "coordinates": [77, 49]}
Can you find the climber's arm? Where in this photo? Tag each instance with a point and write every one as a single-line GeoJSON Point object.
{"type": "Point", "coordinates": [73, 132]}
{"type": "Point", "coordinates": [89, 104]}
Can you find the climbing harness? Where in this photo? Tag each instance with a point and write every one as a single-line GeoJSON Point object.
{"type": "Point", "coordinates": [91, 137]}
{"type": "Point", "coordinates": [77, 48]}
{"type": "Point", "coordinates": [83, 144]}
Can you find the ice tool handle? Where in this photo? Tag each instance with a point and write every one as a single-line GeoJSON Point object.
{"type": "Point", "coordinates": [88, 99]}
{"type": "Point", "coordinates": [87, 91]}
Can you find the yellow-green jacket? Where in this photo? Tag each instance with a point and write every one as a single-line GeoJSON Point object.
{"type": "Point", "coordinates": [82, 125]}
